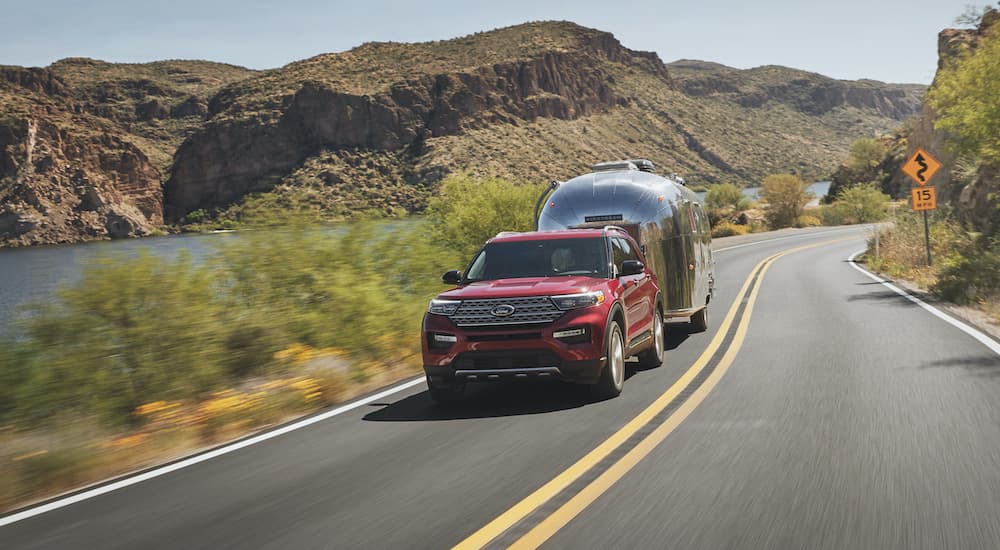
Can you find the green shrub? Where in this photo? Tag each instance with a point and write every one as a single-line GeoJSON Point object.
{"type": "Point", "coordinates": [727, 229]}
{"type": "Point", "coordinates": [808, 221]}
{"type": "Point", "coordinates": [728, 197]}
{"type": "Point", "coordinates": [970, 273]}
{"type": "Point", "coordinates": [863, 203]}
{"type": "Point", "coordinates": [466, 212]}
{"type": "Point", "coordinates": [830, 214]}
{"type": "Point", "coordinates": [132, 330]}
{"type": "Point", "coordinates": [785, 196]}
{"type": "Point", "coordinates": [725, 195]}
{"type": "Point", "coordinates": [198, 216]}
{"type": "Point", "coordinates": [865, 154]}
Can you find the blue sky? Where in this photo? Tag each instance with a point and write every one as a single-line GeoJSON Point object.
{"type": "Point", "coordinates": [890, 40]}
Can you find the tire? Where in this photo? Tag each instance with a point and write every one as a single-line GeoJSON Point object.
{"type": "Point", "coordinates": [699, 321]}
{"type": "Point", "coordinates": [445, 394]}
{"type": "Point", "coordinates": [653, 357]}
{"type": "Point", "coordinates": [612, 376]}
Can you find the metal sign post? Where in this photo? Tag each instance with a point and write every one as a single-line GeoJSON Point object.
{"type": "Point", "coordinates": [927, 238]}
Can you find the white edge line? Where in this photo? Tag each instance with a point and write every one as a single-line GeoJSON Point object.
{"type": "Point", "coordinates": [735, 246]}
{"type": "Point", "coordinates": [983, 338]}
{"type": "Point", "coordinates": [184, 463]}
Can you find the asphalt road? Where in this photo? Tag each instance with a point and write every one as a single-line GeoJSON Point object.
{"type": "Point", "coordinates": [848, 417]}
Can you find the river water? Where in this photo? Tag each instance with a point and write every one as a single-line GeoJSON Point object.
{"type": "Point", "coordinates": [34, 274]}
{"type": "Point", "coordinates": [820, 188]}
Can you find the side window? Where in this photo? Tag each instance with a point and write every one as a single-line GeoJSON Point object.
{"type": "Point", "coordinates": [622, 251]}
{"type": "Point", "coordinates": [617, 255]}
{"type": "Point", "coordinates": [630, 252]}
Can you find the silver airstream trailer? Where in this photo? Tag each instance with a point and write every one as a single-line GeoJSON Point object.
{"type": "Point", "coordinates": [665, 218]}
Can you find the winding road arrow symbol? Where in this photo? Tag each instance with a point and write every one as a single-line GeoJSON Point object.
{"type": "Point", "coordinates": [919, 159]}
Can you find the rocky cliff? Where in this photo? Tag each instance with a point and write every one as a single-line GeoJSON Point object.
{"type": "Point", "coordinates": [65, 175]}
{"type": "Point", "coordinates": [84, 145]}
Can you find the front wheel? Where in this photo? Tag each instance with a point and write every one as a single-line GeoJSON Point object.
{"type": "Point", "coordinates": [653, 356]}
{"type": "Point", "coordinates": [613, 374]}
{"type": "Point", "coordinates": [445, 394]}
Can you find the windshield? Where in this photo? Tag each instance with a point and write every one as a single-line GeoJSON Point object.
{"type": "Point", "coordinates": [545, 258]}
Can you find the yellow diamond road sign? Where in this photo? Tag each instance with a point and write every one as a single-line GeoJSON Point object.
{"type": "Point", "coordinates": [921, 167]}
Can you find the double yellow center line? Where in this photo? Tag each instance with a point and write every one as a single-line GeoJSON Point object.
{"type": "Point", "coordinates": [644, 432]}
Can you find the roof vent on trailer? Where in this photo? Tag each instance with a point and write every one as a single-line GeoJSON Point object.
{"type": "Point", "coordinates": [613, 166]}
{"type": "Point", "coordinates": [631, 164]}
{"type": "Point", "coordinates": [644, 165]}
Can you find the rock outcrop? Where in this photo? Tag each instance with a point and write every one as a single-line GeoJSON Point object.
{"type": "Point", "coordinates": [65, 177]}
{"type": "Point", "coordinates": [83, 144]}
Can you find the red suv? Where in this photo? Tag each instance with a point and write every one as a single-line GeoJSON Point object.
{"type": "Point", "coordinates": [569, 305]}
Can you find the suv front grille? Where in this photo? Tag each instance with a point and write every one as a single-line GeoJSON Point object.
{"type": "Point", "coordinates": [527, 311]}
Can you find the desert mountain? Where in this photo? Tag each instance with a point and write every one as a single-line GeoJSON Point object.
{"type": "Point", "coordinates": [90, 149]}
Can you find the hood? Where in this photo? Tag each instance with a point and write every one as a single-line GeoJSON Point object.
{"type": "Point", "coordinates": [530, 286]}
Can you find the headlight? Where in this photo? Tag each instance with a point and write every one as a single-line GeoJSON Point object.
{"type": "Point", "coordinates": [573, 301]}
{"type": "Point", "coordinates": [443, 307]}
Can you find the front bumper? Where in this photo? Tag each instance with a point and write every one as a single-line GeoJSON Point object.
{"type": "Point", "coordinates": [521, 352]}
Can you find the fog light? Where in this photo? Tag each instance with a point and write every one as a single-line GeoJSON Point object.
{"type": "Point", "coordinates": [445, 338]}
{"type": "Point", "coordinates": [573, 335]}
{"type": "Point", "coordinates": [569, 333]}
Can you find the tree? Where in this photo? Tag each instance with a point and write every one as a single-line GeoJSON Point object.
{"type": "Point", "coordinates": [966, 96]}
{"type": "Point", "coordinates": [785, 195]}
{"type": "Point", "coordinates": [866, 154]}
{"type": "Point", "coordinates": [725, 195]}
{"type": "Point", "coordinates": [972, 15]}
{"type": "Point", "coordinates": [467, 211]}
{"type": "Point", "coordinates": [863, 203]}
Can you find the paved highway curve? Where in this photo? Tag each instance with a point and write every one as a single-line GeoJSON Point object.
{"type": "Point", "coordinates": [833, 413]}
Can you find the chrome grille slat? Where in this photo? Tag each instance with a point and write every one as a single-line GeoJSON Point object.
{"type": "Point", "coordinates": [528, 310]}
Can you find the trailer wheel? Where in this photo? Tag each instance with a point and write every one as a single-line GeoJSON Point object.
{"type": "Point", "coordinates": [699, 321]}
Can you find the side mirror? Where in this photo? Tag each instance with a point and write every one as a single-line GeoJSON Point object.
{"type": "Point", "coordinates": [632, 267]}
{"type": "Point", "coordinates": [452, 277]}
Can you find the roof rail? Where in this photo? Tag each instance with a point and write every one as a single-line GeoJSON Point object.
{"type": "Point", "coordinates": [506, 234]}
{"type": "Point", "coordinates": [618, 227]}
